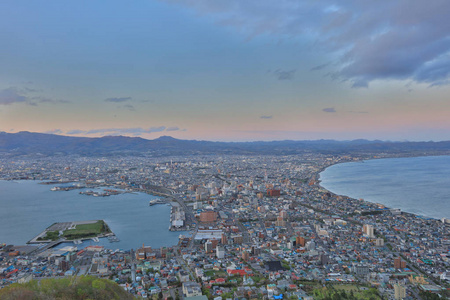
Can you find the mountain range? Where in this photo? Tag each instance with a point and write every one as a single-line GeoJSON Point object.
{"type": "Point", "coordinates": [29, 143]}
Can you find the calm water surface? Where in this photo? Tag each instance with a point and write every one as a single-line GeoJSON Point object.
{"type": "Point", "coordinates": [27, 208]}
{"type": "Point", "coordinates": [419, 185]}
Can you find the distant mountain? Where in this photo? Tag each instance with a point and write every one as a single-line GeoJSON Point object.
{"type": "Point", "coordinates": [27, 143]}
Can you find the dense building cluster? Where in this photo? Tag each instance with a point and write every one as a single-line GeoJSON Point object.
{"type": "Point", "coordinates": [254, 227]}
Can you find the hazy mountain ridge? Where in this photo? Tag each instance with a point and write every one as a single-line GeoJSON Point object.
{"type": "Point", "coordinates": [24, 143]}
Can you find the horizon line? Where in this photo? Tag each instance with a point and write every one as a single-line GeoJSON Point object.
{"type": "Point", "coordinates": [221, 141]}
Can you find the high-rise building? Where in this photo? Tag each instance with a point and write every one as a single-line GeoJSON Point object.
{"type": "Point", "coordinates": [208, 247]}
{"type": "Point", "coordinates": [280, 222]}
{"type": "Point", "coordinates": [245, 255]}
{"type": "Point", "coordinates": [300, 241]}
{"type": "Point", "coordinates": [224, 239]}
{"type": "Point", "coordinates": [399, 292]}
{"type": "Point", "coordinates": [368, 230]}
{"type": "Point", "coordinates": [238, 239]}
{"type": "Point", "coordinates": [379, 242]}
{"type": "Point", "coordinates": [220, 252]}
{"type": "Point", "coordinates": [399, 263]}
{"type": "Point", "coordinates": [311, 245]}
{"type": "Point", "coordinates": [256, 251]}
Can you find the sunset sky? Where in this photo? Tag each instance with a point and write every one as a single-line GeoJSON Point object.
{"type": "Point", "coordinates": [234, 70]}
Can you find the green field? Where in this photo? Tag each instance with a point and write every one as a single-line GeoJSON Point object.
{"type": "Point", "coordinates": [215, 274]}
{"type": "Point", "coordinates": [49, 235]}
{"type": "Point", "coordinates": [81, 231]}
{"type": "Point", "coordinates": [87, 230]}
{"type": "Point", "coordinates": [346, 291]}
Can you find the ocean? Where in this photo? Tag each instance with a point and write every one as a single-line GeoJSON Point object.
{"type": "Point", "coordinates": [27, 208]}
{"type": "Point", "coordinates": [419, 185]}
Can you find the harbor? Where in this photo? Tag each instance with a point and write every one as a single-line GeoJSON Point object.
{"type": "Point", "coordinates": [128, 215]}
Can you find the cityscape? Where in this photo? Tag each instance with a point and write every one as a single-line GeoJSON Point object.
{"type": "Point", "coordinates": [253, 227]}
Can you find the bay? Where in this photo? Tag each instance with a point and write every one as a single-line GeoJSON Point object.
{"type": "Point", "coordinates": [27, 208]}
{"type": "Point", "coordinates": [419, 185]}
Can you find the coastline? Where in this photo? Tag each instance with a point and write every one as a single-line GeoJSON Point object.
{"type": "Point", "coordinates": [378, 203]}
{"type": "Point", "coordinates": [138, 225]}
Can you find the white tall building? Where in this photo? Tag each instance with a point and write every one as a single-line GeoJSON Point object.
{"type": "Point", "coordinates": [311, 245]}
{"type": "Point", "coordinates": [399, 291]}
{"type": "Point", "coordinates": [368, 230]}
{"type": "Point", "coordinates": [220, 252]}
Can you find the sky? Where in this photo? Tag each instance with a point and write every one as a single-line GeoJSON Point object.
{"type": "Point", "coordinates": [227, 70]}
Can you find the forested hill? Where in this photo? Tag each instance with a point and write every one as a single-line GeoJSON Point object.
{"type": "Point", "coordinates": [81, 287]}
{"type": "Point", "coordinates": [28, 143]}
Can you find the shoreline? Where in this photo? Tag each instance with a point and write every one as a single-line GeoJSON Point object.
{"type": "Point", "coordinates": [26, 238]}
{"type": "Point", "coordinates": [361, 160]}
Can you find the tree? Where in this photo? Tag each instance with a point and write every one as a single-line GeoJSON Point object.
{"type": "Point", "coordinates": [429, 296]}
{"type": "Point", "coordinates": [83, 287]}
{"type": "Point", "coordinates": [98, 284]}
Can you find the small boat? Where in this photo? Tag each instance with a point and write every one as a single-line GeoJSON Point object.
{"type": "Point", "coordinates": [113, 239]}
{"type": "Point", "coordinates": [156, 201]}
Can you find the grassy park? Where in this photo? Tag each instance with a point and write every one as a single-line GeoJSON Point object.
{"type": "Point", "coordinates": [80, 231]}
{"type": "Point", "coordinates": [86, 230]}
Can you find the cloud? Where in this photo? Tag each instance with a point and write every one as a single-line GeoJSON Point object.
{"type": "Point", "coordinates": [329, 110]}
{"type": "Point", "coordinates": [155, 129]}
{"type": "Point", "coordinates": [265, 117]}
{"type": "Point", "coordinates": [49, 100]}
{"type": "Point", "coordinates": [360, 83]}
{"type": "Point", "coordinates": [320, 67]}
{"type": "Point", "coordinates": [75, 131]}
{"type": "Point", "coordinates": [129, 107]}
{"type": "Point", "coordinates": [12, 95]}
{"type": "Point", "coordinates": [16, 95]}
{"type": "Point", "coordinates": [284, 75]}
{"type": "Point", "coordinates": [118, 100]}
{"type": "Point", "coordinates": [135, 131]}
{"type": "Point", "coordinates": [125, 131]}
{"type": "Point", "coordinates": [358, 112]}
{"type": "Point", "coordinates": [54, 131]}
{"type": "Point", "coordinates": [29, 90]}
{"type": "Point", "coordinates": [368, 40]}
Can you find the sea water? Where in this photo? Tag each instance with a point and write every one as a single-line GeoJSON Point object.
{"type": "Point", "coordinates": [27, 208]}
{"type": "Point", "coordinates": [419, 185]}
